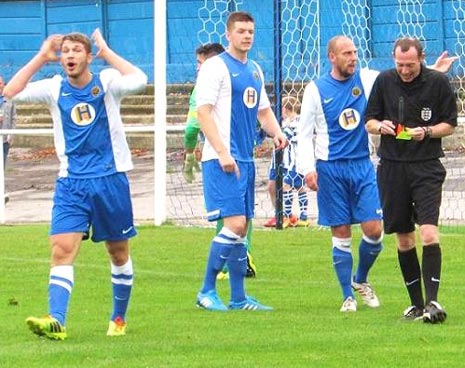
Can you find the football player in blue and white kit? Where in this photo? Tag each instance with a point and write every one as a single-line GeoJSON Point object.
{"type": "Point", "coordinates": [92, 189]}
{"type": "Point", "coordinates": [231, 97]}
{"type": "Point", "coordinates": [333, 154]}
{"type": "Point", "coordinates": [338, 165]}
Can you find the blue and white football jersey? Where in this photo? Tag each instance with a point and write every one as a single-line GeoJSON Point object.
{"type": "Point", "coordinates": [290, 129]}
{"type": "Point", "coordinates": [88, 131]}
{"type": "Point", "coordinates": [236, 91]}
{"type": "Point", "coordinates": [334, 110]}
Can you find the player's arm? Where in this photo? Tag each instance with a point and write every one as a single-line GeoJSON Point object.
{"type": "Point", "coordinates": [47, 53]}
{"type": "Point", "coordinates": [209, 129]}
{"type": "Point", "coordinates": [270, 125]}
{"type": "Point", "coordinates": [375, 122]}
{"type": "Point", "coordinates": [443, 62]}
{"type": "Point", "coordinates": [106, 53]}
{"type": "Point", "coordinates": [305, 153]}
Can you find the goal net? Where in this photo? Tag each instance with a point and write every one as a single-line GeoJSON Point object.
{"type": "Point", "coordinates": [305, 28]}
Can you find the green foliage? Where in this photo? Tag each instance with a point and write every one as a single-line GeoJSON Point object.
{"type": "Point", "coordinates": [295, 276]}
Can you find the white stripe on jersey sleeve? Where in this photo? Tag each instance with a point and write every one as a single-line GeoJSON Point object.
{"type": "Point", "coordinates": [368, 77]}
{"type": "Point", "coordinates": [123, 85]}
{"type": "Point", "coordinates": [310, 113]}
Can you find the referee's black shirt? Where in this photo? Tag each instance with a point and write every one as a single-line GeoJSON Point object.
{"type": "Point", "coordinates": [426, 101]}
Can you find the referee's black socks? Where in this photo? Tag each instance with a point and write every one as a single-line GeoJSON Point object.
{"type": "Point", "coordinates": [431, 266]}
{"type": "Point", "coordinates": [411, 272]}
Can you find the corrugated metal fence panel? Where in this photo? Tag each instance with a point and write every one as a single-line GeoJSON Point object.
{"type": "Point", "coordinates": [130, 31]}
{"type": "Point", "coordinates": [183, 27]}
{"type": "Point", "coordinates": [126, 24]}
{"type": "Point", "coordinates": [128, 28]}
{"type": "Point", "coordinates": [21, 33]}
{"type": "Point", "coordinates": [80, 16]}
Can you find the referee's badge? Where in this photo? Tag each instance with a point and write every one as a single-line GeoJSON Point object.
{"type": "Point", "coordinates": [426, 114]}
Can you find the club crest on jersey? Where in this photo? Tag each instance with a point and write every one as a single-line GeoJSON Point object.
{"type": "Point", "coordinates": [95, 91]}
{"type": "Point", "coordinates": [349, 119]}
{"type": "Point", "coordinates": [256, 75]}
{"type": "Point", "coordinates": [250, 97]}
{"type": "Point", "coordinates": [83, 114]}
{"type": "Point", "coordinates": [426, 113]}
{"type": "Point", "coordinates": [356, 91]}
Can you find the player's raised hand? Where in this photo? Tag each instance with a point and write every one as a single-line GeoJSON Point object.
{"type": "Point", "coordinates": [444, 62]}
{"type": "Point", "coordinates": [100, 43]}
{"type": "Point", "coordinates": [51, 46]}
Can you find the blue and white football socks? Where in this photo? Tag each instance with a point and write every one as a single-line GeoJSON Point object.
{"type": "Point", "coordinates": [220, 249]}
{"type": "Point", "coordinates": [61, 281]}
{"type": "Point", "coordinates": [237, 265]}
{"type": "Point", "coordinates": [343, 263]}
{"type": "Point", "coordinates": [368, 252]}
{"type": "Point", "coordinates": [121, 279]}
{"type": "Point", "coordinates": [303, 205]}
{"type": "Point", "coordinates": [288, 199]}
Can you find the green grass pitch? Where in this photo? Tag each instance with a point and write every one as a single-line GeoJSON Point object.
{"type": "Point", "coordinates": [165, 329]}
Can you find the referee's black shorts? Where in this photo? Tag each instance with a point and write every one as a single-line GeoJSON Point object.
{"type": "Point", "coordinates": [410, 192]}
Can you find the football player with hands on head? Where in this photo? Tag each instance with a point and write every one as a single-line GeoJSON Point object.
{"type": "Point", "coordinates": [231, 97]}
{"type": "Point", "coordinates": [412, 107]}
{"type": "Point", "coordinates": [92, 191]}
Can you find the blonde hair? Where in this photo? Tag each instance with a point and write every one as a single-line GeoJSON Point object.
{"type": "Point", "coordinates": [290, 103]}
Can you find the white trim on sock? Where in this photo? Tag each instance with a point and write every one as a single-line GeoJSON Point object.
{"type": "Point", "coordinates": [63, 272]}
{"type": "Point", "coordinates": [343, 244]}
{"type": "Point", "coordinates": [373, 241]}
{"type": "Point", "coordinates": [125, 269]}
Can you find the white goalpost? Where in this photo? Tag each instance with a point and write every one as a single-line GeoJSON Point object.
{"type": "Point", "coordinates": [160, 103]}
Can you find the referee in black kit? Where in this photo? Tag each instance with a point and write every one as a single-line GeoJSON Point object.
{"type": "Point", "coordinates": [413, 107]}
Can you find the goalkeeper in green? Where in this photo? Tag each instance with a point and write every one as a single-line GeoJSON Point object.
{"type": "Point", "coordinates": [191, 134]}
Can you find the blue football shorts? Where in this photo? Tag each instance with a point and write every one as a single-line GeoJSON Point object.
{"type": "Point", "coordinates": [226, 194]}
{"type": "Point", "coordinates": [347, 192]}
{"type": "Point", "coordinates": [102, 203]}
